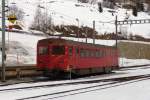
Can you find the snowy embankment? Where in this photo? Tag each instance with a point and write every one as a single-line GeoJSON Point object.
{"type": "Point", "coordinates": [131, 62]}
{"type": "Point", "coordinates": [22, 49]}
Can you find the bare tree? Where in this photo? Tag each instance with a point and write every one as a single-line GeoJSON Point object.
{"type": "Point", "coordinates": [42, 21]}
{"type": "Point", "coordinates": [37, 19]}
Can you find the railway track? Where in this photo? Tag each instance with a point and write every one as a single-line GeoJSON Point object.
{"type": "Point", "coordinates": [30, 71]}
{"type": "Point", "coordinates": [74, 83]}
{"type": "Point", "coordinates": [107, 83]}
{"type": "Point", "coordinates": [112, 83]}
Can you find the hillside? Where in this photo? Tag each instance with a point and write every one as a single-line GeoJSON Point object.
{"type": "Point", "coordinates": [52, 13]}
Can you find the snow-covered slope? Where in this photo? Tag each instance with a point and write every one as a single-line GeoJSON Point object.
{"type": "Point", "coordinates": [70, 12]}
{"type": "Point", "coordinates": [21, 48]}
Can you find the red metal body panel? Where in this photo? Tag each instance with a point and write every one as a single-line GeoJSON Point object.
{"type": "Point", "coordinates": [108, 57]}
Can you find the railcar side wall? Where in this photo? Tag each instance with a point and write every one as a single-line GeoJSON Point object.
{"type": "Point", "coordinates": [87, 57]}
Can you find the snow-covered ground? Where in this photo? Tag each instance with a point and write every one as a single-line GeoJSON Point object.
{"type": "Point", "coordinates": [131, 62]}
{"type": "Point", "coordinates": [138, 89]}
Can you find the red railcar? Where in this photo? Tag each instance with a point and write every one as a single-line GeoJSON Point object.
{"type": "Point", "coordinates": [58, 56]}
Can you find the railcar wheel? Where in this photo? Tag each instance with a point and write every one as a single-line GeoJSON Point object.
{"type": "Point", "coordinates": [56, 74]}
{"type": "Point", "coordinates": [46, 73]}
{"type": "Point", "coordinates": [107, 70]}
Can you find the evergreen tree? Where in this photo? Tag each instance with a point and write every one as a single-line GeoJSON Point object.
{"type": "Point", "coordinates": [83, 1]}
{"type": "Point", "coordinates": [100, 9]}
{"type": "Point", "coordinates": [140, 6]}
{"type": "Point", "coordinates": [134, 11]}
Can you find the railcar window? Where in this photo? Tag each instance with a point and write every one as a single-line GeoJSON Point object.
{"type": "Point", "coordinates": [85, 53]}
{"type": "Point", "coordinates": [93, 54]}
{"type": "Point", "coordinates": [88, 53]}
{"type": "Point", "coordinates": [70, 51]}
{"type": "Point", "coordinates": [58, 50]}
{"type": "Point", "coordinates": [82, 53]}
{"type": "Point", "coordinates": [97, 54]}
{"type": "Point", "coordinates": [77, 51]}
{"type": "Point", "coordinates": [102, 53]}
{"type": "Point", "coordinates": [43, 50]}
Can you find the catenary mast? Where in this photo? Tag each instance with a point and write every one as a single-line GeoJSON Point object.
{"type": "Point", "coordinates": [3, 41]}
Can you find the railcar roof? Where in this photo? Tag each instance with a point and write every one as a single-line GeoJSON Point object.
{"type": "Point", "coordinates": [69, 42]}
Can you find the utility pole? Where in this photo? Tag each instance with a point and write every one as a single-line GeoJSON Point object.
{"type": "Point", "coordinates": [86, 34]}
{"type": "Point", "coordinates": [3, 41]}
{"type": "Point", "coordinates": [78, 28]}
{"type": "Point", "coordinates": [93, 32]}
{"type": "Point", "coordinates": [116, 24]}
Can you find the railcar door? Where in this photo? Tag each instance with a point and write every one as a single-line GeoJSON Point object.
{"type": "Point", "coordinates": [71, 56]}
{"type": "Point", "coordinates": [76, 57]}
{"type": "Point", "coordinates": [42, 55]}
{"type": "Point", "coordinates": [58, 56]}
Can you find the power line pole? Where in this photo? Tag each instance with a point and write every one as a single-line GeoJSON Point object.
{"type": "Point", "coordinates": [86, 34]}
{"type": "Point", "coordinates": [93, 32]}
{"type": "Point", "coordinates": [116, 24]}
{"type": "Point", "coordinates": [78, 28]}
{"type": "Point", "coordinates": [3, 41]}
